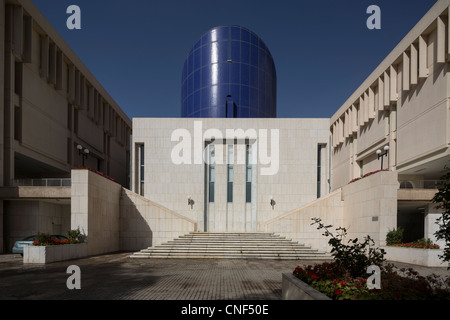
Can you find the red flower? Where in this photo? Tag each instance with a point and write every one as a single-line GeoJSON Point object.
{"type": "Point", "coordinates": [314, 277]}
{"type": "Point", "coordinates": [337, 292]}
{"type": "Point", "coordinates": [343, 283]}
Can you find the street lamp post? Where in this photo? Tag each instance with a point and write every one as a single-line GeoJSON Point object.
{"type": "Point", "coordinates": [382, 154]}
{"type": "Point", "coordinates": [84, 152]}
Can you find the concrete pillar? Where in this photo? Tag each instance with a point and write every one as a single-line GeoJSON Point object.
{"type": "Point", "coordinates": [405, 73]}
{"type": "Point", "coordinates": [414, 59]}
{"type": "Point", "coordinates": [440, 54]}
{"type": "Point", "coordinates": [393, 84]}
{"type": "Point", "coordinates": [2, 77]}
{"type": "Point", "coordinates": [366, 107]}
{"type": "Point", "coordinates": [2, 242]}
{"type": "Point", "coordinates": [430, 226]}
{"type": "Point", "coordinates": [8, 111]}
{"type": "Point", "coordinates": [371, 103]}
{"type": "Point", "coordinates": [387, 100]}
{"type": "Point", "coordinates": [423, 51]}
{"type": "Point", "coordinates": [380, 94]}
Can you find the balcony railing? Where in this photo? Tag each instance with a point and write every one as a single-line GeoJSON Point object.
{"type": "Point", "coordinates": [419, 184]}
{"type": "Point", "coordinates": [48, 182]}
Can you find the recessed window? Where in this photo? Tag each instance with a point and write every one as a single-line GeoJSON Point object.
{"type": "Point", "coordinates": [212, 172]}
{"type": "Point", "coordinates": [18, 123]}
{"type": "Point", "coordinates": [230, 173]}
{"type": "Point", "coordinates": [319, 170]}
{"type": "Point", "coordinates": [248, 178]}
{"type": "Point", "coordinates": [141, 168]}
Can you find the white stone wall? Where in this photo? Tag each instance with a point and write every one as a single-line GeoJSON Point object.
{"type": "Point", "coordinates": [145, 224]}
{"type": "Point", "coordinates": [293, 186]}
{"type": "Point", "coordinates": [96, 210]}
{"type": "Point", "coordinates": [370, 207]}
{"type": "Point", "coordinates": [296, 225]}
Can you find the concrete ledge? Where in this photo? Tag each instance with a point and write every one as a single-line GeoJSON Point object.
{"type": "Point", "coordinates": [421, 257]}
{"type": "Point", "coordinates": [49, 254]}
{"type": "Point", "coordinates": [35, 193]}
{"type": "Point", "coordinates": [416, 194]}
{"type": "Point", "coordinates": [295, 289]}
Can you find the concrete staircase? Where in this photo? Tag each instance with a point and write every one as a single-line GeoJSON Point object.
{"type": "Point", "coordinates": [232, 246]}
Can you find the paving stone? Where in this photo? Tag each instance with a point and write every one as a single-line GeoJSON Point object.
{"type": "Point", "coordinates": [118, 277]}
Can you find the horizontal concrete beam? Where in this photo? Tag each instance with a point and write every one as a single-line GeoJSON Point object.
{"type": "Point", "coordinates": [416, 194]}
{"type": "Point", "coordinates": [11, 193]}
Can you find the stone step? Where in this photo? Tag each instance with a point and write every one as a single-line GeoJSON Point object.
{"type": "Point", "coordinates": [242, 250]}
{"type": "Point", "coordinates": [316, 256]}
{"type": "Point", "coordinates": [175, 242]}
{"type": "Point", "coordinates": [256, 247]}
{"type": "Point", "coordinates": [231, 246]}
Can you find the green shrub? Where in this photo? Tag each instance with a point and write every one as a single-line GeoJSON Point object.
{"type": "Point", "coordinates": [354, 257]}
{"type": "Point", "coordinates": [442, 199]}
{"type": "Point", "coordinates": [394, 236]}
{"type": "Point", "coordinates": [76, 236]}
{"type": "Point", "coordinates": [43, 237]}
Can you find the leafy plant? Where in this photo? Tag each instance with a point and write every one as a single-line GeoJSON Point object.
{"type": "Point", "coordinates": [75, 235]}
{"type": "Point", "coordinates": [394, 236]}
{"type": "Point", "coordinates": [442, 198]}
{"type": "Point", "coordinates": [43, 237]}
{"type": "Point", "coordinates": [420, 244]}
{"type": "Point", "coordinates": [354, 257]}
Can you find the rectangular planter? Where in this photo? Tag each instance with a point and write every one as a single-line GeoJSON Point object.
{"type": "Point", "coordinates": [49, 254]}
{"type": "Point", "coordinates": [295, 289]}
{"type": "Point", "coordinates": [421, 257]}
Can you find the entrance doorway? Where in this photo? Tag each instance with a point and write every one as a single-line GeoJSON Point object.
{"type": "Point", "coordinates": [230, 188]}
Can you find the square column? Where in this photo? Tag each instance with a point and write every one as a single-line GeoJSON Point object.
{"type": "Point", "coordinates": [430, 226]}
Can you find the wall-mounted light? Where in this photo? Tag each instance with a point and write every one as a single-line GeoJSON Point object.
{"type": "Point", "coordinates": [190, 201]}
{"type": "Point", "coordinates": [84, 152]}
{"type": "Point", "coordinates": [381, 154]}
{"type": "Point", "coordinates": [272, 202]}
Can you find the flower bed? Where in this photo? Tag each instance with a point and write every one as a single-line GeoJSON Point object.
{"type": "Point", "coordinates": [97, 172]}
{"type": "Point", "coordinates": [419, 256]}
{"type": "Point", "coordinates": [366, 175]}
{"type": "Point", "coordinates": [415, 245]}
{"type": "Point", "coordinates": [55, 242]}
{"type": "Point", "coordinates": [346, 278]}
{"type": "Point", "coordinates": [329, 279]}
{"type": "Point", "coordinates": [53, 253]}
{"type": "Point", "coordinates": [402, 284]}
{"type": "Point", "coordinates": [295, 289]}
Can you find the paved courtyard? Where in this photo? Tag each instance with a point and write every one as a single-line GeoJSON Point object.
{"type": "Point", "coordinates": [117, 277]}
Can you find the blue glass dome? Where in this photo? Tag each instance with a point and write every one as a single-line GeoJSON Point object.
{"type": "Point", "coordinates": [229, 73]}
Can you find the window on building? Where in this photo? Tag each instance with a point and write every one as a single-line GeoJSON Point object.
{"type": "Point", "coordinates": [212, 172]}
{"type": "Point", "coordinates": [59, 70]}
{"type": "Point", "coordinates": [75, 120]}
{"type": "Point", "coordinates": [18, 123]}
{"type": "Point", "coordinates": [230, 173]}
{"type": "Point", "coordinates": [41, 53]}
{"type": "Point", "coordinates": [248, 178]}
{"type": "Point", "coordinates": [69, 151]}
{"type": "Point", "coordinates": [67, 78]}
{"type": "Point", "coordinates": [18, 75]}
{"type": "Point", "coordinates": [69, 116]}
{"type": "Point", "coordinates": [141, 169]}
{"type": "Point", "coordinates": [319, 170]}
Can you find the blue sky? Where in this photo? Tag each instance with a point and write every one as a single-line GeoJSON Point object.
{"type": "Point", "coordinates": [322, 49]}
